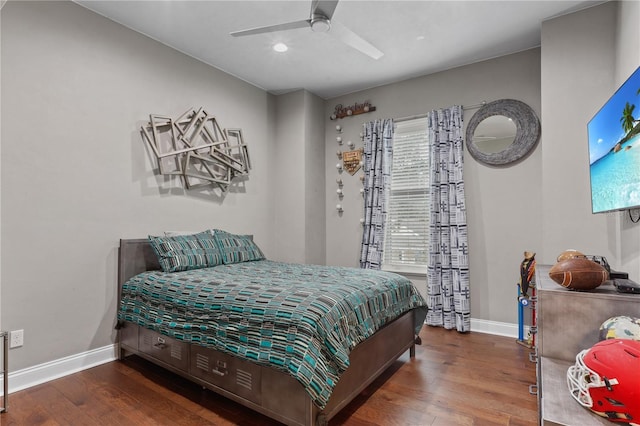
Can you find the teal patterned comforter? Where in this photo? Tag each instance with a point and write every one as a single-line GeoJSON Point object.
{"type": "Point", "coordinates": [302, 319]}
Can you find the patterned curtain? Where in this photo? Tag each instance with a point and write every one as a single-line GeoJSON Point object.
{"type": "Point", "coordinates": [378, 142]}
{"type": "Point", "coordinates": [448, 295]}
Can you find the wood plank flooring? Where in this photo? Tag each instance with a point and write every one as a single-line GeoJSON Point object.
{"type": "Point", "coordinates": [455, 379]}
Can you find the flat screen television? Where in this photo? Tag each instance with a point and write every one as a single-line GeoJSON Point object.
{"type": "Point", "coordinates": [614, 150]}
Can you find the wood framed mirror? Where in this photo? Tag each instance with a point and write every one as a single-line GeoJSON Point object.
{"type": "Point", "coordinates": [502, 132]}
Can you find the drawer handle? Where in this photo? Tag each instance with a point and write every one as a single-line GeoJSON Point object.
{"type": "Point", "coordinates": [161, 343]}
{"type": "Point", "coordinates": [218, 372]}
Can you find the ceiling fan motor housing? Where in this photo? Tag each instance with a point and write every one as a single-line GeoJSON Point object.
{"type": "Point", "coordinates": [320, 23]}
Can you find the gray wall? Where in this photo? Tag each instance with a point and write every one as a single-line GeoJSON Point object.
{"type": "Point", "coordinates": [76, 176]}
{"type": "Point", "coordinates": [578, 55]}
{"type": "Point", "coordinates": [297, 199]}
{"type": "Point", "coordinates": [586, 56]}
{"type": "Point", "coordinates": [503, 204]}
{"type": "Point", "coordinates": [314, 191]}
{"type": "Point", "coordinates": [289, 181]}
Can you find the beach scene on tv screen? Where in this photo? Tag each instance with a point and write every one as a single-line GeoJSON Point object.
{"type": "Point", "coordinates": [614, 150]}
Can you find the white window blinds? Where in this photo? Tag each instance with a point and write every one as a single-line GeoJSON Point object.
{"type": "Point", "coordinates": [406, 245]}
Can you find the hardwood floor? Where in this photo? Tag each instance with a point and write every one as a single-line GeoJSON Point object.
{"type": "Point", "coordinates": [455, 379]}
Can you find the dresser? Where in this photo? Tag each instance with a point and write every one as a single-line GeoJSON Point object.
{"type": "Point", "coordinates": [568, 322]}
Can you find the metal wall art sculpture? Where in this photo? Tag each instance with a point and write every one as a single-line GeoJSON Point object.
{"type": "Point", "coordinates": [194, 147]}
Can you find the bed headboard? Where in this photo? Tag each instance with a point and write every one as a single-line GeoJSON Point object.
{"type": "Point", "coordinates": [135, 256]}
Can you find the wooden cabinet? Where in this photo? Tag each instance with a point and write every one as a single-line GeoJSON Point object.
{"type": "Point", "coordinates": [568, 322]}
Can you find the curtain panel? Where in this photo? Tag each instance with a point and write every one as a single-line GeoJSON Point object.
{"type": "Point", "coordinates": [448, 293]}
{"type": "Point", "coordinates": [378, 145]}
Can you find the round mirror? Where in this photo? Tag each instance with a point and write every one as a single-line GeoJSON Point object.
{"type": "Point", "coordinates": [494, 134]}
{"type": "Point", "coordinates": [502, 132]}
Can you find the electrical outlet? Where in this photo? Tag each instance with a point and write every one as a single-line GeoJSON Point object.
{"type": "Point", "coordinates": [16, 339]}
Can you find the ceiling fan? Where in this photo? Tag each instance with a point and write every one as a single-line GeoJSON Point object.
{"type": "Point", "coordinates": [320, 21]}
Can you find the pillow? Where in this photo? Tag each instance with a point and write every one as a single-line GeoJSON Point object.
{"type": "Point", "coordinates": [185, 252]}
{"type": "Point", "coordinates": [237, 248]}
{"type": "Point", "coordinates": [177, 233]}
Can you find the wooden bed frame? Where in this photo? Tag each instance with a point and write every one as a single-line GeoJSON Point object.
{"type": "Point", "coordinates": [263, 389]}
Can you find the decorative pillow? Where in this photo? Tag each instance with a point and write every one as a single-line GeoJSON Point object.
{"type": "Point", "coordinates": [184, 252]}
{"type": "Point", "coordinates": [237, 248]}
{"type": "Point", "coordinates": [177, 233]}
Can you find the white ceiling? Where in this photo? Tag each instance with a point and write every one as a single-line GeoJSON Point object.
{"type": "Point", "coordinates": [417, 37]}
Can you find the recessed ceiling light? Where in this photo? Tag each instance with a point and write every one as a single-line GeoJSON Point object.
{"type": "Point", "coordinates": [280, 47]}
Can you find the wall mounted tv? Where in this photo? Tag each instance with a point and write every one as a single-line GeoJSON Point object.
{"type": "Point", "coordinates": [614, 150]}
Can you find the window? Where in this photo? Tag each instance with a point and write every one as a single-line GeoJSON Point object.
{"type": "Point", "coordinates": [406, 245]}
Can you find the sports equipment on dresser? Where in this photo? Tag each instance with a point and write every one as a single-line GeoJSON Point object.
{"type": "Point", "coordinates": [320, 21]}
{"type": "Point", "coordinates": [606, 380]}
{"type": "Point", "coordinates": [578, 273]}
{"type": "Point", "coordinates": [569, 254]}
{"type": "Point", "coordinates": [620, 327]}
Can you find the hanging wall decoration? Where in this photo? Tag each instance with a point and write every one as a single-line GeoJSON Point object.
{"type": "Point", "coordinates": [194, 147]}
{"type": "Point", "coordinates": [352, 160]}
{"type": "Point", "coordinates": [350, 110]}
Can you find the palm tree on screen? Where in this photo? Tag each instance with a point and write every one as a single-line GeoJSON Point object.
{"type": "Point", "coordinates": [627, 119]}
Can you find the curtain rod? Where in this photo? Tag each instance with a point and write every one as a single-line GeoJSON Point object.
{"type": "Point", "coordinates": [411, 117]}
{"type": "Point", "coordinates": [414, 117]}
{"type": "Point", "coordinates": [475, 106]}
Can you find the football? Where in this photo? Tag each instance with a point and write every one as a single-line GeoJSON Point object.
{"type": "Point", "coordinates": [568, 254]}
{"type": "Point", "coordinates": [578, 273]}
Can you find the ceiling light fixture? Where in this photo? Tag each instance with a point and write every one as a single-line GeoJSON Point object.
{"type": "Point", "coordinates": [280, 47]}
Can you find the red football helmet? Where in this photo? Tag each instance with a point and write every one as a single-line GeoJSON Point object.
{"type": "Point", "coordinates": [606, 380]}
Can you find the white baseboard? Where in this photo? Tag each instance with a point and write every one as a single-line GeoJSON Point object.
{"type": "Point", "coordinates": [43, 373]}
{"type": "Point", "coordinates": [498, 328]}
{"type": "Point", "coordinates": [32, 376]}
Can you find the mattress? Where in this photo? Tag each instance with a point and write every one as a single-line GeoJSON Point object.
{"type": "Point", "coordinates": [301, 319]}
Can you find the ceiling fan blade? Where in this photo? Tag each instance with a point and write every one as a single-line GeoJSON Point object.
{"type": "Point", "coordinates": [273, 28]}
{"type": "Point", "coordinates": [350, 38]}
{"type": "Point", "coordinates": [323, 7]}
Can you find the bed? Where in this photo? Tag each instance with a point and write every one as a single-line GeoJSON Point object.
{"type": "Point", "coordinates": [296, 389]}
